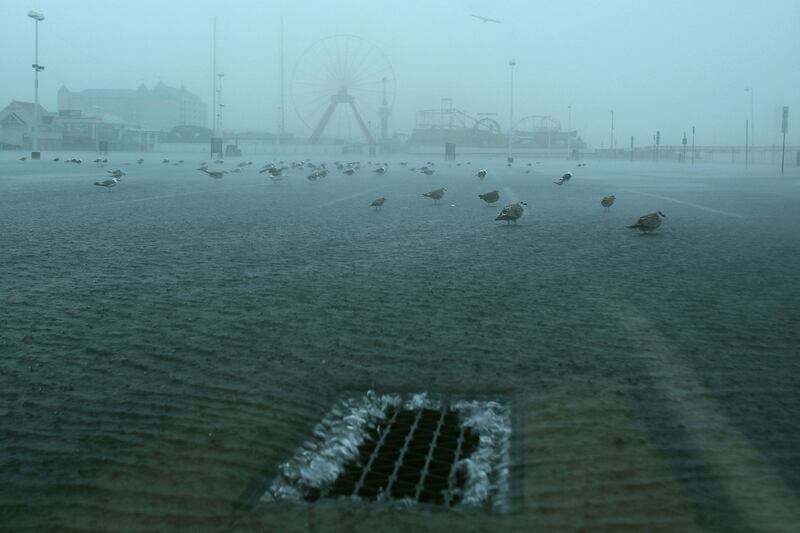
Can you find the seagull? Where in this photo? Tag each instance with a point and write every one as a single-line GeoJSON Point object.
{"type": "Point", "coordinates": [217, 174]}
{"type": "Point", "coordinates": [565, 178]}
{"type": "Point", "coordinates": [243, 164]}
{"type": "Point", "coordinates": [56, 159]}
{"type": "Point", "coordinates": [165, 161]}
{"type": "Point", "coordinates": [581, 164]}
{"type": "Point", "coordinates": [511, 212]}
{"type": "Point", "coordinates": [435, 194]}
{"type": "Point", "coordinates": [649, 222]}
{"type": "Point", "coordinates": [380, 170]}
{"type": "Point", "coordinates": [349, 172]}
{"type": "Point", "coordinates": [117, 173]}
{"type": "Point", "coordinates": [608, 201]}
{"type": "Point", "coordinates": [486, 19]}
{"type": "Point", "coordinates": [490, 197]}
{"type": "Point", "coordinates": [140, 161]}
{"type": "Point", "coordinates": [426, 171]}
{"type": "Point", "coordinates": [481, 173]}
{"type": "Point", "coordinates": [23, 158]}
{"type": "Point", "coordinates": [378, 202]}
{"type": "Point", "coordinates": [107, 183]}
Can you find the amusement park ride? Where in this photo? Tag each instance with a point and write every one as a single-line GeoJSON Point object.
{"type": "Point", "coordinates": [337, 82]}
{"type": "Point", "coordinates": [343, 84]}
{"type": "Point", "coordinates": [449, 124]}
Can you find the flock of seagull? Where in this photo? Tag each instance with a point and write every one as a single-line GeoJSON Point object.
{"type": "Point", "coordinates": [647, 223]}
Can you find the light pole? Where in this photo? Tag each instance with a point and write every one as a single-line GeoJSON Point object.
{"type": "Point", "coordinates": [569, 132]}
{"type": "Point", "coordinates": [37, 17]}
{"type": "Point", "coordinates": [220, 105]}
{"type": "Point", "coordinates": [612, 131]}
{"type": "Point", "coordinates": [752, 121]}
{"type": "Point", "coordinates": [214, 79]}
{"type": "Point", "coordinates": [283, 114]}
{"type": "Point", "coordinates": [511, 112]}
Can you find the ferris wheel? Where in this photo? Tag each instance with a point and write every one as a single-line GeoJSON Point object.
{"type": "Point", "coordinates": [343, 87]}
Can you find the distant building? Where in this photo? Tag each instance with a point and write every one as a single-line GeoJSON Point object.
{"type": "Point", "coordinates": [160, 108]}
{"type": "Point", "coordinates": [16, 127]}
{"type": "Point", "coordinates": [69, 130]}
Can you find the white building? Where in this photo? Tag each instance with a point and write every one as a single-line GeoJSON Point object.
{"type": "Point", "coordinates": [160, 108]}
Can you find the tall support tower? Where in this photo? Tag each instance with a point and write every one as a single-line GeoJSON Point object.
{"type": "Point", "coordinates": [384, 112]}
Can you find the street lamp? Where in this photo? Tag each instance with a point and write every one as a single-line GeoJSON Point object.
{"type": "Point", "coordinates": [511, 64]}
{"type": "Point", "coordinates": [752, 121]}
{"type": "Point", "coordinates": [37, 17]}
{"type": "Point", "coordinates": [612, 131]}
{"type": "Point", "coordinates": [569, 132]}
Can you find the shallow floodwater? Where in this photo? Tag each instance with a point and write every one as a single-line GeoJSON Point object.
{"type": "Point", "coordinates": [167, 343]}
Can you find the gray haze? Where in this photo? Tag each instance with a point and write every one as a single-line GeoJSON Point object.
{"type": "Point", "coordinates": [659, 65]}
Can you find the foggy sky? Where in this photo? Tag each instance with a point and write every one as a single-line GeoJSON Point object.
{"type": "Point", "coordinates": [663, 65]}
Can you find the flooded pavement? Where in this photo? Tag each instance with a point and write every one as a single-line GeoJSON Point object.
{"type": "Point", "coordinates": [168, 343]}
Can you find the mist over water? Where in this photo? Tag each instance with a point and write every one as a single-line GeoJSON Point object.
{"type": "Point", "coordinates": [173, 337]}
{"type": "Point", "coordinates": [178, 331]}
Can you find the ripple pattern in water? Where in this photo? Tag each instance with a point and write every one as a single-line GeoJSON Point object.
{"type": "Point", "coordinates": [167, 342]}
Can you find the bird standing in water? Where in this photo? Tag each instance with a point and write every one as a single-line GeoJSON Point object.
{"type": "Point", "coordinates": [107, 183]}
{"type": "Point", "coordinates": [511, 212]}
{"type": "Point", "coordinates": [216, 174]}
{"type": "Point", "coordinates": [490, 197]}
{"type": "Point", "coordinates": [377, 203]}
{"type": "Point", "coordinates": [648, 223]}
{"type": "Point", "coordinates": [435, 194]}
{"type": "Point", "coordinates": [608, 201]}
{"type": "Point", "coordinates": [563, 179]}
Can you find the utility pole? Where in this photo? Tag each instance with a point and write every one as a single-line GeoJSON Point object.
{"type": "Point", "coordinates": [746, 140]}
{"type": "Point", "coordinates": [214, 80]}
{"type": "Point", "coordinates": [569, 132]}
{"type": "Point", "coordinates": [785, 130]}
{"type": "Point", "coordinates": [752, 117]}
{"type": "Point", "coordinates": [692, 145]}
{"type": "Point", "coordinates": [511, 64]}
{"type": "Point", "coordinates": [611, 144]}
{"type": "Point", "coordinates": [37, 17]}
{"type": "Point", "coordinates": [283, 113]}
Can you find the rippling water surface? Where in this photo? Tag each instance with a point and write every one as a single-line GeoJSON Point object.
{"type": "Point", "coordinates": [166, 344]}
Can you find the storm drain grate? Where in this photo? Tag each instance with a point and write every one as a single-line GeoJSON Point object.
{"type": "Point", "coordinates": [414, 449]}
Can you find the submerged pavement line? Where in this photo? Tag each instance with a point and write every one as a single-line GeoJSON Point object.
{"type": "Point", "coordinates": [690, 204]}
{"type": "Point", "coordinates": [748, 478]}
{"type": "Point", "coordinates": [345, 198]}
{"type": "Point", "coordinates": [135, 200]}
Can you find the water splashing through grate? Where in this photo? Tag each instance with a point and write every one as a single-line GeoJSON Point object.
{"type": "Point", "coordinates": [413, 450]}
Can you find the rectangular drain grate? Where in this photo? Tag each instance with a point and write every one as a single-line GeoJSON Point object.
{"type": "Point", "coordinates": [411, 449]}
